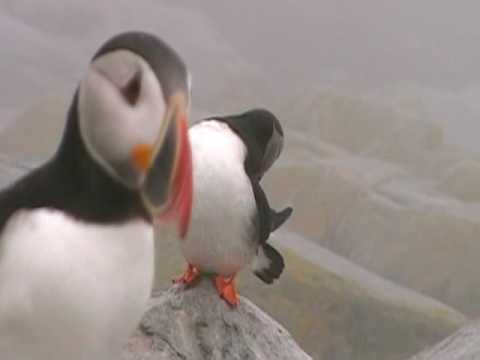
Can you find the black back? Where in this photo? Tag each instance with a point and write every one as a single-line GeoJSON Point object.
{"type": "Point", "coordinates": [73, 183]}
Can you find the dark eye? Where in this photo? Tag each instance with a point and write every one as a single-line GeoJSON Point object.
{"type": "Point", "coordinates": [131, 91]}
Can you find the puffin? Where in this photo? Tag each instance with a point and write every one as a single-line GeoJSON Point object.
{"type": "Point", "coordinates": [77, 232]}
{"type": "Point", "coordinates": [231, 217]}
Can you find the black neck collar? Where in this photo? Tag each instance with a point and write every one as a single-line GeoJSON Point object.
{"type": "Point", "coordinates": [74, 183]}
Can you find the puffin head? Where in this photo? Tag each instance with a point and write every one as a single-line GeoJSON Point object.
{"type": "Point", "coordinates": [133, 108]}
{"type": "Point", "coordinates": [261, 132]}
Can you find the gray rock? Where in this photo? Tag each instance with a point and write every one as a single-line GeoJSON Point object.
{"type": "Point", "coordinates": [195, 324]}
{"type": "Point", "coordinates": [462, 345]}
{"type": "Point", "coordinates": [334, 309]}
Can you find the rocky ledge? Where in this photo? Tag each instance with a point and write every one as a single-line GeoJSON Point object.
{"type": "Point", "coordinates": [195, 324]}
{"type": "Point", "coordinates": [462, 345]}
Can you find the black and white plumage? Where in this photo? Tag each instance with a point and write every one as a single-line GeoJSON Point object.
{"type": "Point", "coordinates": [76, 234]}
{"type": "Point", "coordinates": [231, 217]}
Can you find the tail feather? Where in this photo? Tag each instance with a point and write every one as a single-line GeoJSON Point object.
{"type": "Point", "coordinates": [269, 264]}
{"type": "Point", "coordinates": [278, 218]}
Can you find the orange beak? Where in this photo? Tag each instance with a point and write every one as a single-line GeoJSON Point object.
{"type": "Point", "coordinates": [142, 157]}
{"type": "Point", "coordinates": [180, 207]}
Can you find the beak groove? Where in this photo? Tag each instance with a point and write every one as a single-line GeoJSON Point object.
{"type": "Point", "coordinates": [167, 190]}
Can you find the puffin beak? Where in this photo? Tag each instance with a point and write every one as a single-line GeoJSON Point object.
{"type": "Point", "coordinates": [142, 155]}
{"type": "Point", "coordinates": [167, 189]}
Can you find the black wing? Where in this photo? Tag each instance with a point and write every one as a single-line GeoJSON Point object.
{"type": "Point", "coordinates": [264, 223]}
{"type": "Point", "coordinates": [269, 219]}
{"type": "Point", "coordinates": [279, 218]}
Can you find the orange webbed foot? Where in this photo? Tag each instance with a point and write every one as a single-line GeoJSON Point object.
{"type": "Point", "coordinates": [226, 289]}
{"type": "Point", "coordinates": [190, 276]}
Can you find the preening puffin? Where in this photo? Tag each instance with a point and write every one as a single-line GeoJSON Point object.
{"type": "Point", "coordinates": [231, 217]}
{"type": "Point", "coordinates": [76, 234]}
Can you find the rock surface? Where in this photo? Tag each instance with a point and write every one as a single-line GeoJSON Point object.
{"type": "Point", "coordinates": [333, 308]}
{"type": "Point", "coordinates": [463, 345]}
{"type": "Point", "coordinates": [195, 324]}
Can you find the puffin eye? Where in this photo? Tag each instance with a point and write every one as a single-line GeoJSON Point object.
{"type": "Point", "coordinates": [131, 91]}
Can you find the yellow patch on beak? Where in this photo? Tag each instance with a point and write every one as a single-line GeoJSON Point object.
{"type": "Point", "coordinates": [142, 156]}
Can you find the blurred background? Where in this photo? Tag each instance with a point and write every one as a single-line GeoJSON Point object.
{"type": "Point", "coordinates": [379, 102]}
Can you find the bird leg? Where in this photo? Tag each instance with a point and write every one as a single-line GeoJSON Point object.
{"type": "Point", "coordinates": [190, 276]}
{"type": "Point", "coordinates": [226, 289]}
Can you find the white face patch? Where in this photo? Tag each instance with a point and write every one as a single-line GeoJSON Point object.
{"type": "Point", "coordinates": [110, 125]}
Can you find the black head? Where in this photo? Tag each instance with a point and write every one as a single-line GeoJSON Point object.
{"type": "Point", "coordinates": [261, 133]}
{"type": "Point", "coordinates": [133, 109]}
{"type": "Point", "coordinates": [130, 101]}
{"type": "Point", "coordinates": [167, 65]}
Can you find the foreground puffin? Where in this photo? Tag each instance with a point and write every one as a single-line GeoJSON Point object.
{"type": "Point", "coordinates": [76, 234]}
{"type": "Point", "coordinates": [231, 216]}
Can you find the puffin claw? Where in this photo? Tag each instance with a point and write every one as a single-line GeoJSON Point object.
{"type": "Point", "coordinates": [226, 289]}
{"type": "Point", "coordinates": [191, 275]}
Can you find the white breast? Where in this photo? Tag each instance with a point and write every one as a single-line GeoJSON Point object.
{"type": "Point", "coordinates": [220, 236]}
{"type": "Point", "coordinates": [71, 290]}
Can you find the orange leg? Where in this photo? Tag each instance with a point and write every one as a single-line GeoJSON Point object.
{"type": "Point", "coordinates": [189, 277]}
{"type": "Point", "coordinates": [226, 289]}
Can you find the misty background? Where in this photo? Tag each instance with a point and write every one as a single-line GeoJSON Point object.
{"type": "Point", "coordinates": [420, 53]}
{"type": "Point", "coordinates": [380, 105]}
